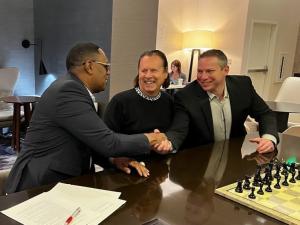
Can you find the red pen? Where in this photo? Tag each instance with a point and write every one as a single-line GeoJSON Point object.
{"type": "Point", "coordinates": [71, 218]}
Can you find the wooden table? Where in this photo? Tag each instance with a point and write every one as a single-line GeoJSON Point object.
{"type": "Point", "coordinates": [179, 191]}
{"type": "Point", "coordinates": [282, 110]}
{"type": "Point", "coordinates": [19, 101]}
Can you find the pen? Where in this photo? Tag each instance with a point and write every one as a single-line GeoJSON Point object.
{"type": "Point", "coordinates": [73, 215]}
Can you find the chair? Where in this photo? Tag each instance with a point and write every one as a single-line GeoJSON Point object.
{"type": "Point", "coordinates": [8, 79]}
{"type": "Point", "coordinates": [290, 92]}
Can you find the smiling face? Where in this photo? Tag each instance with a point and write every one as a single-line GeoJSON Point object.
{"type": "Point", "coordinates": [210, 75]}
{"type": "Point", "coordinates": [152, 74]}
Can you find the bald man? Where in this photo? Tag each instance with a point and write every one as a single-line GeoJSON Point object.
{"type": "Point", "coordinates": [65, 132]}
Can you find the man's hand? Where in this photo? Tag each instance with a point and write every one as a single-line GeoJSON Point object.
{"type": "Point", "coordinates": [124, 164]}
{"type": "Point", "coordinates": [161, 145]}
{"type": "Point", "coordinates": [155, 138]}
{"type": "Point", "coordinates": [264, 145]}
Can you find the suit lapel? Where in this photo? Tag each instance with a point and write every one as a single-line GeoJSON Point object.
{"type": "Point", "coordinates": [203, 101]}
{"type": "Point", "coordinates": [234, 100]}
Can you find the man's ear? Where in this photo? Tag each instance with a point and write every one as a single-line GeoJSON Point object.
{"type": "Point", "coordinates": [226, 69]}
{"type": "Point", "coordinates": [88, 67]}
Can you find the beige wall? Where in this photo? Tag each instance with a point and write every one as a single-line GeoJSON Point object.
{"type": "Point", "coordinates": [232, 22]}
{"type": "Point", "coordinates": [134, 26]}
{"type": "Point", "coordinates": [285, 14]}
{"type": "Point", "coordinates": [226, 18]}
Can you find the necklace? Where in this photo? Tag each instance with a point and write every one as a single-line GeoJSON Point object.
{"type": "Point", "coordinates": [149, 98]}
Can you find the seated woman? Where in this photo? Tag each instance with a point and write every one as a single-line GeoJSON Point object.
{"type": "Point", "coordinates": [143, 108]}
{"type": "Point", "coordinates": [176, 73]}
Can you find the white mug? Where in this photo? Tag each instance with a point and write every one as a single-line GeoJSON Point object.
{"type": "Point", "coordinates": [180, 81]}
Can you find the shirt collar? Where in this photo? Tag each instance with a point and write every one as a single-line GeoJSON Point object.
{"type": "Point", "coordinates": [91, 95]}
{"type": "Point", "coordinates": [212, 96]}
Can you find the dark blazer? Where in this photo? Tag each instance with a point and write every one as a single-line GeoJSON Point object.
{"type": "Point", "coordinates": [193, 125]}
{"type": "Point", "coordinates": [63, 134]}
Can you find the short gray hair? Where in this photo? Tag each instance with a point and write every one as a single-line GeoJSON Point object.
{"type": "Point", "coordinates": [216, 53]}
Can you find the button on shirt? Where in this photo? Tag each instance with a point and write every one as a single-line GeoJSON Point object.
{"type": "Point", "coordinates": [221, 115]}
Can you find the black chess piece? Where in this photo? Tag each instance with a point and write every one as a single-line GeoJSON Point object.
{"type": "Point", "coordinates": [277, 185]}
{"type": "Point", "coordinates": [292, 180]}
{"type": "Point", "coordinates": [285, 168]}
{"type": "Point", "coordinates": [298, 176]}
{"type": "Point", "coordinates": [252, 195]}
{"type": "Point", "coordinates": [285, 182]}
{"type": "Point", "coordinates": [277, 174]}
{"type": "Point", "coordinates": [266, 177]}
{"type": "Point", "coordinates": [292, 167]}
{"type": "Point", "coordinates": [246, 185]}
{"type": "Point", "coordinates": [256, 181]}
{"type": "Point", "coordinates": [239, 187]}
{"type": "Point", "coordinates": [257, 173]}
{"type": "Point", "coordinates": [268, 188]}
{"type": "Point", "coordinates": [260, 191]}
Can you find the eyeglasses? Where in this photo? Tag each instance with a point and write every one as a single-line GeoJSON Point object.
{"type": "Point", "coordinates": [105, 65]}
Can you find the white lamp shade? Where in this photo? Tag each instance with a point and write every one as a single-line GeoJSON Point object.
{"type": "Point", "coordinates": [197, 39]}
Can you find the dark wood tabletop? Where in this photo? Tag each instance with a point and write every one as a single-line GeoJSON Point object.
{"type": "Point", "coordinates": [20, 99]}
{"type": "Point", "coordinates": [180, 189]}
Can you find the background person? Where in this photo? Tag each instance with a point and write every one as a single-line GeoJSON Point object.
{"type": "Point", "coordinates": [176, 73]}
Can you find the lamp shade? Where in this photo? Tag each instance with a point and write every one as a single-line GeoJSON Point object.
{"type": "Point", "coordinates": [197, 39]}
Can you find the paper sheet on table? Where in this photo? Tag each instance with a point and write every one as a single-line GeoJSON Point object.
{"type": "Point", "coordinates": [55, 206]}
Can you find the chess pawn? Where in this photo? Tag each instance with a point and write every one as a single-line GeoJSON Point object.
{"type": "Point", "coordinates": [298, 176]}
{"type": "Point", "coordinates": [292, 180]}
{"type": "Point", "coordinates": [252, 195]}
{"type": "Point", "coordinates": [268, 188]}
{"type": "Point", "coordinates": [239, 187]}
{"type": "Point", "coordinates": [260, 191]}
{"type": "Point", "coordinates": [285, 182]}
{"type": "Point", "coordinates": [277, 185]}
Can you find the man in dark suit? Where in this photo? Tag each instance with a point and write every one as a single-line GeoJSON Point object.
{"type": "Point", "coordinates": [215, 106]}
{"type": "Point", "coordinates": [65, 130]}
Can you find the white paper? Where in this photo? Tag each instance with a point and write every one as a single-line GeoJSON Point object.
{"type": "Point", "coordinates": [55, 206]}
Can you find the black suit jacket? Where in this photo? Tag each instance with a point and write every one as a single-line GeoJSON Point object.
{"type": "Point", "coordinates": [63, 134]}
{"type": "Point", "coordinates": [193, 124]}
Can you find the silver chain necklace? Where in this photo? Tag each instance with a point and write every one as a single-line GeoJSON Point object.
{"type": "Point", "coordinates": [149, 98]}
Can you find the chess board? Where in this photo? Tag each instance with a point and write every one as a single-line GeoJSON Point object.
{"type": "Point", "coordinates": [282, 204]}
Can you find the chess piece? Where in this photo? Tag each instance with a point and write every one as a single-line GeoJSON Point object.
{"type": "Point", "coordinates": [268, 189]}
{"type": "Point", "coordinates": [252, 195]}
{"type": "Point", "coordinates": [277, 185]}
{"type": "Point", "coordinates": [266, 177]}
{"type": "Point", "coordinates": [277, 174]}
{"type": "Point", "coordinates": [285, 182]}
{"type": "Point", "coordinates": [292, 167]}
{"type": "Point", "coordinates": [256, 180]}
{"type": "Point", "coordinates": [285, 169]}
{"type": "Point", "coordinates": [298, 176]}
{"type": "Point", "coordinates": [260, 191]}
{"type": "Point", "coordinates": [246, 185]}
{"type": "Point", "coordinates": [257, 173]}
{"type": "Point", "coordinates": [239, 187]}
{"type": "Point", "coordinates": [292, 180]}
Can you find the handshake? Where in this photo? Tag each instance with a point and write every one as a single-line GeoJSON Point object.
{"type": "Point", "coordinates": [159, 142]}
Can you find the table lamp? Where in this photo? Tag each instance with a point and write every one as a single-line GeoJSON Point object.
{"type": "Point", "coordinates": [196, 40]}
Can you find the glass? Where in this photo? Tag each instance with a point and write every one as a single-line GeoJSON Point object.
{"type": "Point", "coordinates": [105, 65]}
